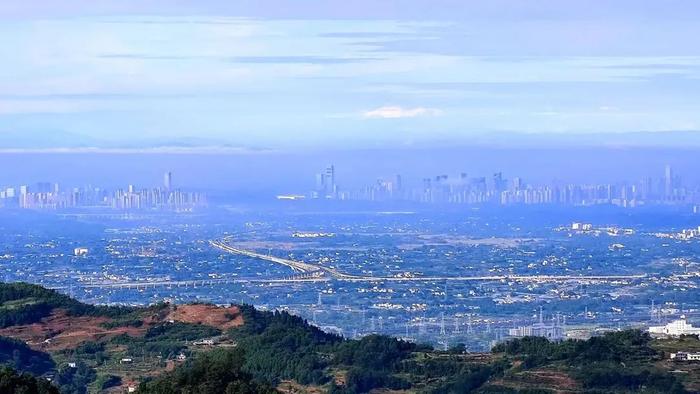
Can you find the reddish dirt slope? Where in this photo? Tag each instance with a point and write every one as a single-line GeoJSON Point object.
{"type": "Point", "coordinates": [211, 315]}
{"type": "Point", "coordinates": [60, 331]}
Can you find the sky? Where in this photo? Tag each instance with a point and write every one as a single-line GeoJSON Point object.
{"type": "Point", "coordinates": [289, 74]}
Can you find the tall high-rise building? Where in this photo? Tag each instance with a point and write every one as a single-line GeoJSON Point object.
{"type": "Point", "coordinates": [398, 184]}
{"type": "Point", "coordinates": [325, 183]}
{"type": "Point", "coordinates": [668, 181]}
{"type": "Point", "coordinates": [517, 183]}
{"type": "Point", "coordinates": [168, 180]}
{"type": "Point", "coordinates": [330, 181]}
{"type": "Point", "coordinates": [499, 184]}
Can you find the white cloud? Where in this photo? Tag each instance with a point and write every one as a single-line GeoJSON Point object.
{"type": "Point", "coordinates": [395, 112]}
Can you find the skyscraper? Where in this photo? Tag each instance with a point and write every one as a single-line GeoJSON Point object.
{"type": "Point", "coordinates": [325, 183]}
{"type": "Point", "coordinates": [168, 180]}
{"type": "Point", "coordinates": [330, 180]}
{"type": "Point", "coordinates": [668, 182]}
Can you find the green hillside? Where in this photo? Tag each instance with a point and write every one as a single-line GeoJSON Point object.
{"type": "Point", "coordinates": [277, 347]}
{"type": "Point", "coordinates": [23, 303]}
{"type": "Point", "coordinates": [266, 352]}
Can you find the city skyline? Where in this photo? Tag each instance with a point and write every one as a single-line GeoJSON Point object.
{"type": "Point", "coordinates": [47, 195]}
{"type": "Point", "coordinates": [461, 188]}
{"type": "Point", "coordinates": [465, 189]}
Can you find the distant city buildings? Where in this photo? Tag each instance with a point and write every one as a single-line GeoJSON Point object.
{"type": "Point", "coordinates": [50, 196]}
{"type": "Point", "coordinates": [496, 189]}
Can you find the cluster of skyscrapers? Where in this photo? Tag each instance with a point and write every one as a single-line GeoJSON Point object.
{"type": "Point", "coordinates": [496, 189]}
{"type": "Point", "coordinates": [325, 184]}
{"type": "Point", "coordinates": [46, 195]}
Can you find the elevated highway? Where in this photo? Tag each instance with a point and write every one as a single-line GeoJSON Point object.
{"type": "Point", "coordinates": [315, 278]}
{"type": "Point", "coordinates": [313, 273]}
{"type": "Point", "coordinates": [294, 265]}
{"type": "Point", "coordinates": [297, 266]}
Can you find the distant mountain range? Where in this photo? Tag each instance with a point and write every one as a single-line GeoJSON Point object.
{"type": "Point", "coordinates": [63, 140]}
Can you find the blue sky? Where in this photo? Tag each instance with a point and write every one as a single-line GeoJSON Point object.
{"type": "Point", "coordinates": [274, 74]}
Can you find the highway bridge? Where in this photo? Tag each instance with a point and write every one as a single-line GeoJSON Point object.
{"type": "Point", "coordinates": [297, 266]}
{"type": "Point", "coordinates": [294, 265]}
{"type": "Point", "coordinates": [314, 278]}
{"type": "Point", "coordinates": [137, 285]}
{"type": "Point", "coordinates": [194, 283]}
{"type": "Point", "coordinates": [321, 270]}
{"type": "Point", "coordinates": [312, 273]}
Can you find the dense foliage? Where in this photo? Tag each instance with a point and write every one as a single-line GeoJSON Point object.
{"type": "Point", "coordinates": [13, 383]}
{"type": "Point", "coordinates": [218, 371]}
{"type": "Point", "coordinates": [275, 346]}
{"type": "Point", "coordinates": [617, 360]}
{"type": "Point", "coordinates": [374, 352]}
{"type": "Point", "coordinates": [23, 358]}
{"type": "Point", "coordinates": [24, 303]}
{"type": "Point", "coordinates": [74, 380]}
{"type": "Point", "coordinates": [281, 346]}
{"type": "Point", "coordinates": [619, 346]}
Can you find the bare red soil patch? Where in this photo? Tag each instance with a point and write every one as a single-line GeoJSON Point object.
{"type": "Point", "coordinates": [557, 381]}
{"type": "Point", "coordinates": [59, 331]}
{"type": "Point", "coordinates": [211, 315]}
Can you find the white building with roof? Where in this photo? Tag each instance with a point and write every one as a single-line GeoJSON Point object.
{"type": "Point", "coordinates": [685, 356]}
{"type": "Point", "coordinates": [675, 328]}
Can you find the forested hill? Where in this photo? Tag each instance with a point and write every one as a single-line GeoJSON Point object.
{"type": "Point", "coordinates": [282, 351]}
{"type": "Point", "coordinates": [23, 303]}
{"type": "Point", "coordinates": [208, 349]}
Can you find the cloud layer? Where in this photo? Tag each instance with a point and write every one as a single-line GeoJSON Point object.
{"type": "Point", "coordinates": [395, 112]}
{"type": "Point", "coordinates": [251, 75]}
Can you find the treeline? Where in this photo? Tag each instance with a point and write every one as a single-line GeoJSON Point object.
{"type": "Point", "coordinates": [276, 346]}
{"type": "Point", "coordinates": [620, 346]}
{"type": "Point", "coordinates": [218, 371]}
{"type": "Point", "coordinates": [279, 346]}
{"type": "Point", "coordinates": [617, 360]}
{"type": "Point", "coordinates": [24, 303]}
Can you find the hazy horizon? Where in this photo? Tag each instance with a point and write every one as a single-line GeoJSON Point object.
{"type": "Point", "coordinates": [268, 75]}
